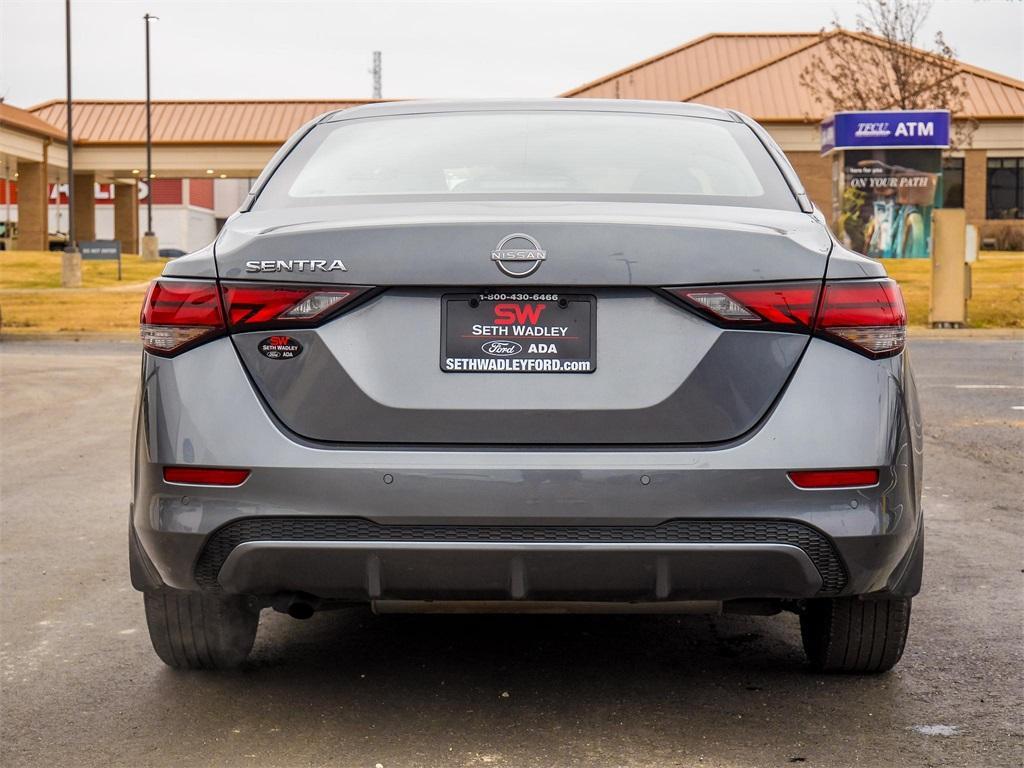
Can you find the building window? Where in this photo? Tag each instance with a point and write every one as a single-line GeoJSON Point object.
{"type": "Point", "coordinates": [1005, 188]}
{"type": "Point", "coordinates": [952, 182]}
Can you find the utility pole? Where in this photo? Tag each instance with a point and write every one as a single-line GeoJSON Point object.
{"type": "Point", "coordinates": [150, 245]}
{"type": "Point", "coordinates": [376, 74]}
{"type": "Point", "coordinates": [71, 259]}
{"type": "Point", "coordinates": [7, 203]}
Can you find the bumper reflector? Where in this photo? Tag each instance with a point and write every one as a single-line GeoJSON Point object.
{"type": "Point", "coordinates": [835, 478]}
{"type": "Point", "coordinates": [205, 475]}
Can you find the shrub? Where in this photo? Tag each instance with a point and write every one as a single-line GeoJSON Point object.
{"type": "Point", "coordinates": [1005, 237]}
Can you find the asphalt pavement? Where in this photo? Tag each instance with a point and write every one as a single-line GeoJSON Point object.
{"type": "Point", "coordinates": [80, 686]}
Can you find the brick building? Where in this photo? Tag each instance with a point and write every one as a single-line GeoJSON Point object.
{"type": "Point", "coordinates": [183, 211]}
{"type": "Point", "coordinates": [205, 153]}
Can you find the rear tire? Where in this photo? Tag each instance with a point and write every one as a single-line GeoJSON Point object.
{"type": "Point", "coordinates": [847, 634]}
{"type": "Point", "coordinates": [195, 630]}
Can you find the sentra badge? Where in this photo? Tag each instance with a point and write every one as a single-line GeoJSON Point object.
{"type": "Point", "coordinates": [296, 265]}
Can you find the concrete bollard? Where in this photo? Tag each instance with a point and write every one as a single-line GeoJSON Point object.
{"type": "Point", "coordinates": [150, 247]}
{"type": "Point", "coordinates": [71, 269]}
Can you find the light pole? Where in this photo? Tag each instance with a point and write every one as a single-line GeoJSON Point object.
{"type": "Point", "coordinates": [7, 202]}
{"type": "Point", "coordinates": [376, 71]}
{"type": "Point", "coordinates": [150, 245]}
{"type": "Point", "coordinates": [71, 260]}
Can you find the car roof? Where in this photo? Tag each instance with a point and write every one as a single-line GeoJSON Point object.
{"type": "Point", "coordinates": [420, 107]}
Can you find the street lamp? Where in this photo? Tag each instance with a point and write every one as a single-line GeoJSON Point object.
{"type": "Point", "coordinates": [71, 260]}
{"type": "Point", "coordinates": [150, 246]}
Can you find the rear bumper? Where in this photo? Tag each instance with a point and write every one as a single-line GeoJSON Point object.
{"type": "Point", "coordinates": [684, 559]}
{"type": "Point", "coordinates": [353, 559]}
{"type": "Point", "coordinates": [362, 571]}
{"type": "Point", "coordinates": [529, 524]}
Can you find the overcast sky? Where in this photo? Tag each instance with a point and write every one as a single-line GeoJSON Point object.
{"type": "Point", "coordinates": [246, 49]}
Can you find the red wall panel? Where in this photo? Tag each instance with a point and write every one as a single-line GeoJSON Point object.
{"type": "Point", "coordinates": [200, 193]}
{"type": "Point", "coordinates": [165, 191]}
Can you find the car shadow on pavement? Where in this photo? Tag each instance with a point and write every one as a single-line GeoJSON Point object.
{"type": "Point", "coordinates": [357, 655]}
{"type": "Point", "coordinates": [541, 644]}
{"type": "Point", "coordinates": [528, 685]}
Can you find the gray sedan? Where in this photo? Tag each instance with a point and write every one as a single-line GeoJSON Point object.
{"type": "Point", "coordinates": [532, 356]}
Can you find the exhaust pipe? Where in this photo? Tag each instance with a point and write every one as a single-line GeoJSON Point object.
{"type": "Point", "coordinates": [300, 609]}
{"type": "Point", "coordinates": [298, 606]}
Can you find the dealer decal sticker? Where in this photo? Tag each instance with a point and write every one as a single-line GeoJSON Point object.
{"type": "Point", "coordinates": [280, 347]}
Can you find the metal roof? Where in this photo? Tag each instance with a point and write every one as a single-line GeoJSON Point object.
{"type": "Point", "coordinates": [188, 122]}
{"type": "Point", "coordinates": [25, 121]}
{"type": "Point", "coordinates": [769, 90]}
{"type": "Point", "coordinates": [692, 66]}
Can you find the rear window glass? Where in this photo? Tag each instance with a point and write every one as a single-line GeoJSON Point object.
{"type": "Point", "coordinates": [576, 155]}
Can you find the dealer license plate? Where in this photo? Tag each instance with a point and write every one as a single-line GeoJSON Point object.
{"type": "Point", "coordinates": [530, 332]}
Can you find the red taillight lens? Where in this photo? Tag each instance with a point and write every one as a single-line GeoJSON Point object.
{"type": "Point", "coordinates": [205, 475]}
{"type": "Point", "coordinates": [788, 306]}
{"type": "Point", "coordinates": [834, 478]}
{"type": "Point", "coordinates": [867, 315]}
{"type": "Point", "coordinates": [252, 306]}
{"type": "Point", "coordinates": [177, 314]}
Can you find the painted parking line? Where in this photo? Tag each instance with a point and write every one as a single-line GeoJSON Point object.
{"type": "Point", "coordinates": [1017, 407]}
{"type": "Point", "coordinates": [988, 386]}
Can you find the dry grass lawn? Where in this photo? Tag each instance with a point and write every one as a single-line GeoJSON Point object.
{"type": "Point", "coordinates": [998, 289]}
{"type": "Point", "coordinates": [41, 269]}
{"type": "Point", "coordinates": [32, 302]}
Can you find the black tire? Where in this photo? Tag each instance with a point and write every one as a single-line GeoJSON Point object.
{"type": "Point", "coordinates": [847, 634]}
{"type": "Point", "coordinates": [195, 630]}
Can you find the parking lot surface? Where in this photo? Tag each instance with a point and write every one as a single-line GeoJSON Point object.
{"type": "Point", "coordinates": [80, 686]}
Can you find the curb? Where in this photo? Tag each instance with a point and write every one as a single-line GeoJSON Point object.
{"type": "Point", "coordinates": [71, 336]}
{"type": "Point", "coordinates": [915, 332]}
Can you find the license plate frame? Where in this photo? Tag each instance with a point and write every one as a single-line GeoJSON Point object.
{"type": "Point", "coordinates": [565, 322]}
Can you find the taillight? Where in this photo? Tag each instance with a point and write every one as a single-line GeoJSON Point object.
{"type": "Point", "coordinates": [251, 306]}
{"type": "Point", "coordinates": [773, 306]}
{"type": "Point", "coordinates": [178, 314]}
{"type": "Point", "coordinates": [867, 316]}
{"type": "Point", "coordinates": [834, 478]}
{"type": "Point", "coordinates": [205, 475]}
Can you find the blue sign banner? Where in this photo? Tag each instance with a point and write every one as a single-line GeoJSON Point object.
{"type": "Point", "coordinates": [886, 130]}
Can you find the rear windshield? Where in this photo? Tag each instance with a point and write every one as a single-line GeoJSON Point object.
{"type": "Point", "coordinates": [532, 155]}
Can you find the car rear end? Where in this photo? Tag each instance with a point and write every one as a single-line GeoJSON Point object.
{"type": "Point", "coordinates": [547, 356]}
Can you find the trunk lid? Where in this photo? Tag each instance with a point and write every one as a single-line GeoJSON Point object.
{"type": "Point", "coordinates": [663, 375]}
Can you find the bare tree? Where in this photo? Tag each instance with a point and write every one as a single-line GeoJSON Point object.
{"type": "Point", "coordinates": [890, 69]}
